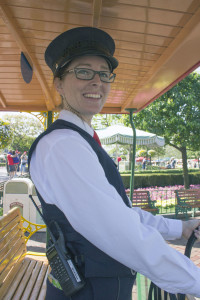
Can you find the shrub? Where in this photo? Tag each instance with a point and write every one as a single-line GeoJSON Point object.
{"type": "Point", "coordinates": [142, 180]}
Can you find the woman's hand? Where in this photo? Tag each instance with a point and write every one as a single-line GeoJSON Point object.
{"type": "Point", "coordinates": [189, 227]}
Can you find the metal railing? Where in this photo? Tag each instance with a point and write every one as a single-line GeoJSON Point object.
{"type": "Point", "coordinates": [165, 200]}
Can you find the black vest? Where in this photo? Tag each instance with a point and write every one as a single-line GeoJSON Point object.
{"type": "Point", "coordinates": [96, 262]}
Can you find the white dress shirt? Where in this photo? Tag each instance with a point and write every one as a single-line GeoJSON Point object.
{"type": "Point", "coordinates": [67, 173]}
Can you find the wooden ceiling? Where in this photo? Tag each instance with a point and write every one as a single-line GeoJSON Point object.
{"type": "Point", "coordinates": [157, 44]}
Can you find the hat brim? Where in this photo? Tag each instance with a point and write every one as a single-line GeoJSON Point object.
{"type": "Point", "coordinates": [112, 61]}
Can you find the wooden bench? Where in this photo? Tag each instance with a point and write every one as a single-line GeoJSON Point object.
{"type": "Point", "coordinates": [142, 199]}
{"type": "Point", "coordinates": [22, 274]}
{"type": "Point", "coordinates": [187, 200]}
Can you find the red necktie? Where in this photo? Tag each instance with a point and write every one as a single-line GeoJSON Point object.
{"type": "Point", "coordinates": [95, 136]}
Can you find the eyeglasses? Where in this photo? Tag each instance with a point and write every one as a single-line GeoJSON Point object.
{"type": "Point", "coordinates": [88, 74]}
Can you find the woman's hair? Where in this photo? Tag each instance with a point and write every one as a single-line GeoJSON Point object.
{"type": "Point", "coordinates": [64, 103]}
{"type": "Point", "coordinates": [61, 74]}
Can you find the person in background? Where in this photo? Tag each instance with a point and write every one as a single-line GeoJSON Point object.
{"type": "Point", "coordinates": [118, 161]}
{"type": "Point", "coordinates": [144, 163]}
{"type": "Point", "coordinates": [19, 156]}
{"type": "Point", "coordinates": [173, 163]}
{"type": "Point", "coordinates": [80, 188]}
{"type": "Point", "coordinates": [24, 160]}
{"type": "Point", "coordinates": [11, 165]}
{"type": "Point", "coordinates": [168, 166]}
{"type": "Point", "coordinates": [15, 161]}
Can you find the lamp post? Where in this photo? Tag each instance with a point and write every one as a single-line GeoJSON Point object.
{"type": "Point", "coordinates": [131, 111]}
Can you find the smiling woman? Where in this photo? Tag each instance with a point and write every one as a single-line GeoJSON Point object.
{"type": "Point", "coordinates": [81, 190]}
{"type": "Point", "coordinates": [84, 90]}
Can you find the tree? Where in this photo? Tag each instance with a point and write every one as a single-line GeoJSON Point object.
{"type": "Point", "coordinates": [142, 152]}
{"type": "Point", "coordinates": [102, 121]}
{"type": "Point", "coordinates": [5, 134]}
{"type": "Point", "coordinates": [22, 143]}
{"type": "Point", "coordinates": [195, 155]}
{"type": "Point", "coordinates": [25, 129]}
{"type": "Point", "coordinates": [176, 117]}
{"type": "Point", "coordinates": [151, 154]}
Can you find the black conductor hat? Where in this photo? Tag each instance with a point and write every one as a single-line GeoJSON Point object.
{"type": "Point", "coordinates": [80, 41]}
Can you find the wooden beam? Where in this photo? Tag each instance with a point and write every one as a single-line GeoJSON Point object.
{"type": "Point", "coordinates": [17, 36]}
{"type": "Point", "coordinates": [111, 110]}
{"type": "Point", "coordinates": [2, 100]}
{"type": "Point", "coordinates": [97, 5]}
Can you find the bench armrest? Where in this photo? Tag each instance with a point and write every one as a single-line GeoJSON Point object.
{"type": "Point", "coordinates": [30, 227]}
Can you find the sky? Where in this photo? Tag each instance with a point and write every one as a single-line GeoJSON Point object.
{"type": "Point", "coordinates": [198, 70]}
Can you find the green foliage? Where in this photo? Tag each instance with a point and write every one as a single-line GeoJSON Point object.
{"type": "Point", "coordinates": [194, 177]}
{"type": "Point", "coordinates": [193, 154]}
{"type": "Point", "coordinates": [24, 129]}
{"type": "Point", "coordinates": [5, 134]}
{"type": "Point", "coordinates": [171, 152]}
{"type": "Point", "coordinates": [123, 157]}
{"type": "Point", "coordinates": [142, 152]}
{"type": "Point", "coordinates": [175, 115]}
{"type": "Point", "coordinates": [22, 143]}
{"type": "Point", "coordinates": [105, 120]}
{"type": "Point", "coordinates": [157, 170]}
{"type": "Point", "coordinates": [152, 153]}
{"type": "Point", "coordinates": [24, 124]}
{"type": "Point", "coordinates": [159, 179]}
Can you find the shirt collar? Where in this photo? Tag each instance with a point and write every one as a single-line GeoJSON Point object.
{"type": "Point", "coordinates": [70, 117]}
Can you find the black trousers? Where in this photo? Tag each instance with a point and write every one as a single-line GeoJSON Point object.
{"type": "Point", "coordinates": [118, 288]}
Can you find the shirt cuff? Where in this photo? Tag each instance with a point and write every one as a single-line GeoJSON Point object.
{"type": "Point", "coordinates": [175, 229]}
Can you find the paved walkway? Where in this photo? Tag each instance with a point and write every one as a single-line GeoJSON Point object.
{"type": "Point", "coordinates": [3, 174]}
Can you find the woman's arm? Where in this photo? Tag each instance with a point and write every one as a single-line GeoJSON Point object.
{"type": "Point", "coordinates": [76, 184]}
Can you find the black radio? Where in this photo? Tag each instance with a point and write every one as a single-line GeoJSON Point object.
{"type": "Point", "coordinates": [61, 261]}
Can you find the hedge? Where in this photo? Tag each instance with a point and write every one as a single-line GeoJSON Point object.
{"type": "Point", "coordinates": [163, 171]}
{"type": "Point", "coordinates": [148, 180]}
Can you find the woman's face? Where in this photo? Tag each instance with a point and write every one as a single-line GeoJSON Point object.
{"type": "Point", "coordinates": [86, 97]}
